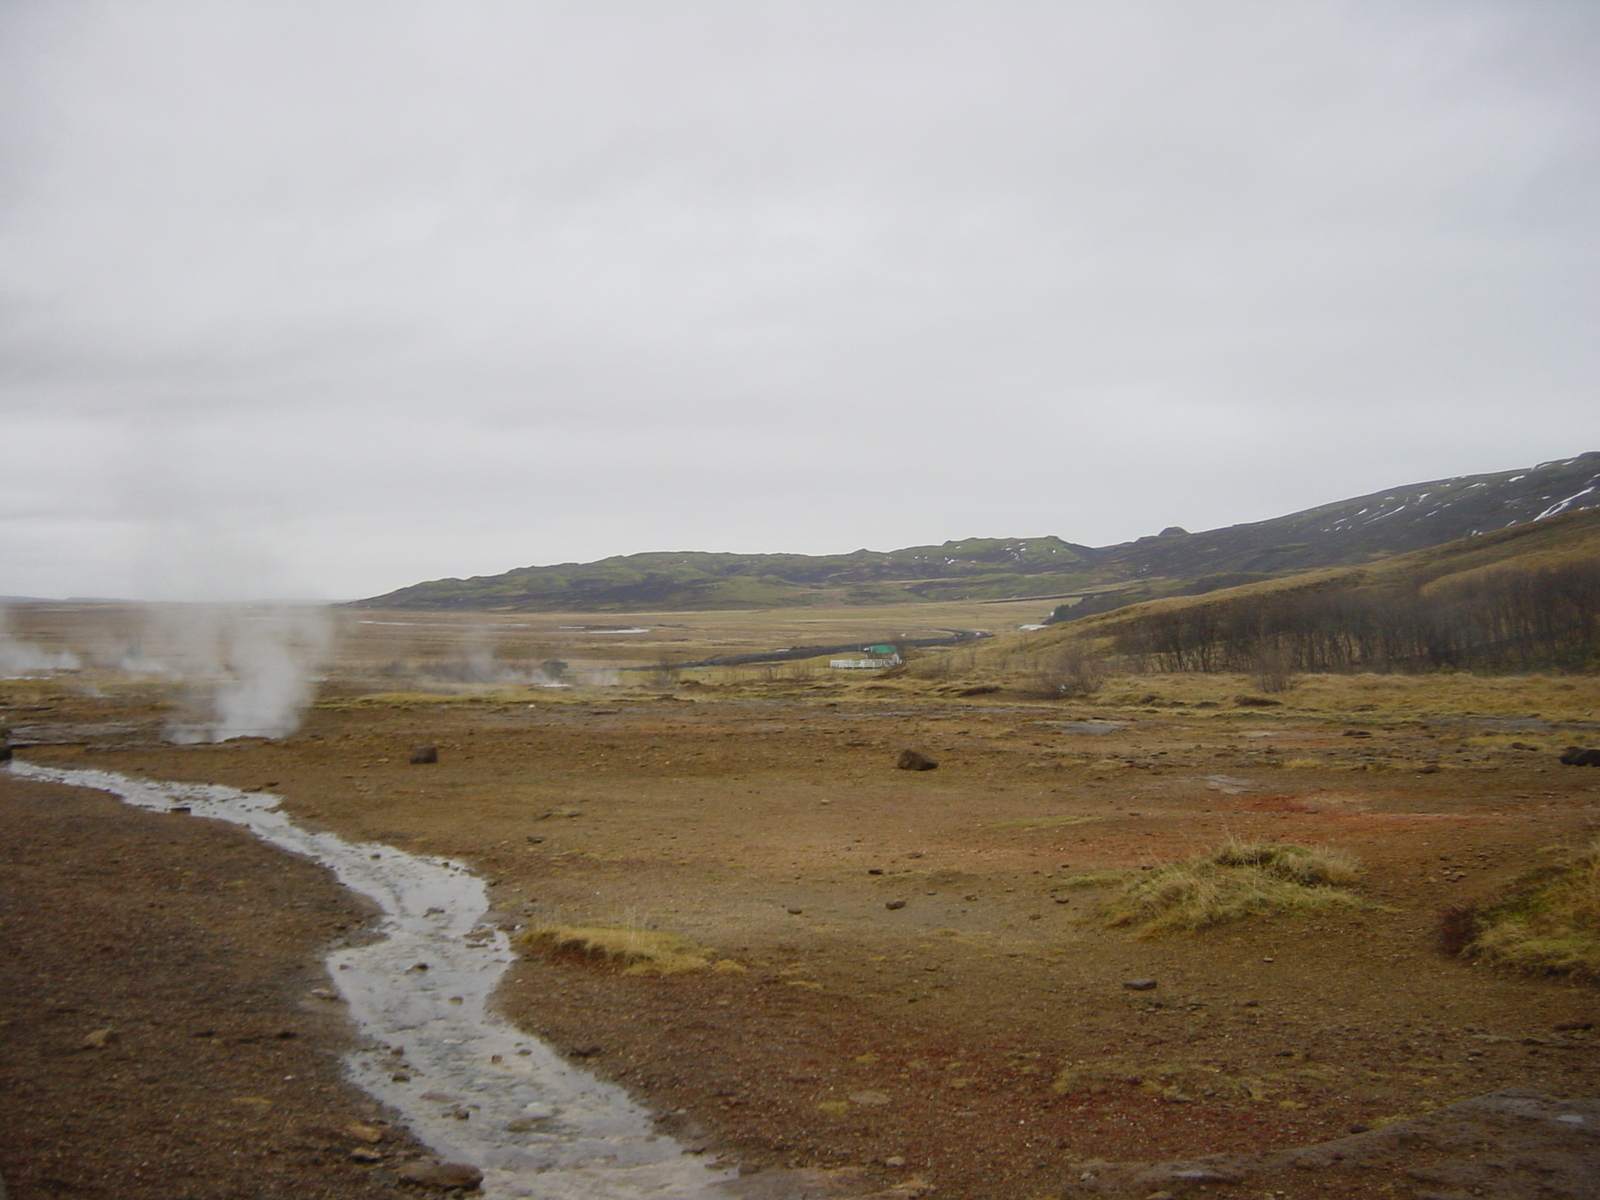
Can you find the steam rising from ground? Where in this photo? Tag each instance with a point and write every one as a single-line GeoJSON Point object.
{"type": "Point", "coordinates": [241, 670]}
{"type": "Point", "coordinates": [251, 669]}
{"type": "Point", "coordinates": [24, 660]}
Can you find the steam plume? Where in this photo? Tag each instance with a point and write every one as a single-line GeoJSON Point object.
{"type": "Point", "coordinates": [251, 668]}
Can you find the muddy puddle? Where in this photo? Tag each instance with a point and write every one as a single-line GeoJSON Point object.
{"type": "Point", "coordinates": [471, 1087]}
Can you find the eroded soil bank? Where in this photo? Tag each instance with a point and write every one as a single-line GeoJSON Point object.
{"type": "Point", "coordinates": [980, 1035]}
{"type": "Point", "coordinates": [162, 1035]}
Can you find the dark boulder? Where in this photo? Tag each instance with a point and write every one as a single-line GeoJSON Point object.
{"type": "Point", "coordinates": [913, 760]}
{"type": "Point", "coordinates": [1576, 757]}
{"type": "Point", "coordinates": [425, 754]}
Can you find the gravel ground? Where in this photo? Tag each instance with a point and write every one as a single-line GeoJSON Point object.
{"type": "Point", "coordinates": [160, 1037]}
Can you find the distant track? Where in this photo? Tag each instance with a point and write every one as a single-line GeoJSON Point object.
{"type": "Point", "coordinates": [957, 637]}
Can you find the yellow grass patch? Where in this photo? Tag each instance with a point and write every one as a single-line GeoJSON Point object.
{"type": "Point", "coordinates": [1550, 923]}
{"type": "Point", "coordinates": [1237, 879]}
{"type": "Point", "coordinates": [633, 951]}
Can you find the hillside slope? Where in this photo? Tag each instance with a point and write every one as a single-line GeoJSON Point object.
{"type": "Point", "coordinates": [692, 580]}
{"type": "Point", "coordinates": [1383, 523]}
{"type": "Point", "coordinates": [1524, 596]}
{"type": "Point", "coordinates": [1347, 532]}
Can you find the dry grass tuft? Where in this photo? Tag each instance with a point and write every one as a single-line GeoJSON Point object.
{"type": "Point", "coordinates": [632, 951]}
{"type": "Point", "coordinates": [1237, 879]}
{"type": "Point", "coordinates": [1549, 923]}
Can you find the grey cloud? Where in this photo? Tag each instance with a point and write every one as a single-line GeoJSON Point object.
{"type": "Point", "coordinates": [410, 289]}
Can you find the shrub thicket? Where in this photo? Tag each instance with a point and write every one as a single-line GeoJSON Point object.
{"type": "Point", "coordinates": [1510, 620]}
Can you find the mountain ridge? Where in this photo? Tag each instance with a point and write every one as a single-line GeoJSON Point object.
{"type": "Point", "coordinates": [1345, 532]}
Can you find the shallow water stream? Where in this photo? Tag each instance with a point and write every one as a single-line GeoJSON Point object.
{"type": "Point", "coordinates": [470, 1086]}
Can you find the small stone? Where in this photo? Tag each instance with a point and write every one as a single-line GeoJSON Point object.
{"type": "Point", "coordinates": [444, 1176]}
{"type": "Point", "coordinates": [915, 760]}
{"type": "Point", "coordinates": [99, 1039]}
{"type": "Point", "coordinates": [869, 1099]}
{"type": "Point", "coordinates": [1139, 985]}
{"type": "Point", "coordinates": [874, 870]}
{"type": "Point", "coordinates": [894, 904]}
{"type": "Point", "coordinates": [894, 1160]}
{"type": "Point", "coordinates": [181, 810]}
{"type": "Point", "coordinates": [363, 1132]}
{"type": "Point", "coordinates": [425, 754]}
{"type": "Point", "coordinates": [795, 912]}
{"type": "Point", "coordinates": [364, 1155]}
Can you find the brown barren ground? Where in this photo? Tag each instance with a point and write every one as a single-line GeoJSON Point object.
{"type": "Point", "coordinates": [980, 1035]}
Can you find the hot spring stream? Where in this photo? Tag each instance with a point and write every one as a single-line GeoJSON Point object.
{"type": "Point", "coordinates": [534, 1125]}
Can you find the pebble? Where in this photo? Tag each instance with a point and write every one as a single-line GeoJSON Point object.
{"type": "Point", "coordinates": [364, 1155]}
{"type": "Point", "coordinates": [1139, 985]}
{"type": "Point", "coordinates": [99, 1039]}
{"type": "Point", "coordinates": [895, 904]}
{"type": "Point", "coordinates": [443, 1176]}
{"type": "Point", "coordinates": [870, 1099]}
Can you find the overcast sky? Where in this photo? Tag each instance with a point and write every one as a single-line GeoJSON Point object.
{"type": "Point", "coordinates": [325, 298]}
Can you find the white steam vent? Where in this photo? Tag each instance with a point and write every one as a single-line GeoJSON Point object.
{"type": "Point", "coordinates": [251, 669]}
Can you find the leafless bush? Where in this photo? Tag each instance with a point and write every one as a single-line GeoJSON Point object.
{"type": "Point", "coordinates": [1273, 669]}
{"type": "Point", "coordinates": [1070, 671]}
{"type": "Point", "coordinates": [664, 675]}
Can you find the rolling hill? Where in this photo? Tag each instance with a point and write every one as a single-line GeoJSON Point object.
{"type": "Point", "coordinates": [1525, 597]}
{"type": "Point", "coordinates": [1363, 529]}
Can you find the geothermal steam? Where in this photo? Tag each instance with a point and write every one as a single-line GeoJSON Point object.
{"type": "Point", "coordinates": [23, 660]}
{"type": "Point", "coordinates": [251, 670]}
